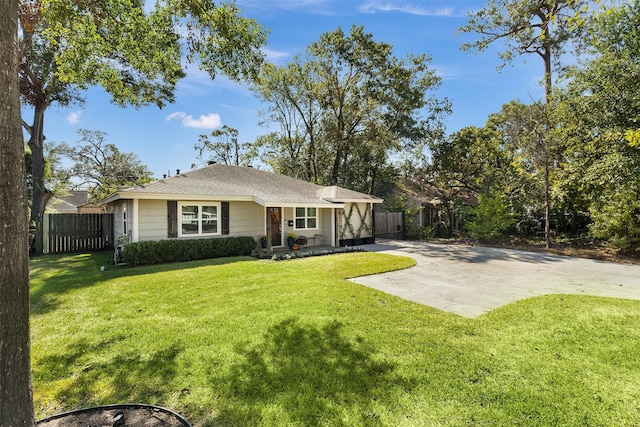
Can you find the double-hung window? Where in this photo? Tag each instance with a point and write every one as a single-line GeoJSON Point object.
{"type": "Point", "coordinates": [306, 218]}
{"type": "Point", "coordinates": [199, 219]}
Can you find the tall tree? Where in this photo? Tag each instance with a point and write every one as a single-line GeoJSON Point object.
{"type": "Point", "coordinates": [600, 114]}
{"type": "Point", "coordinates": [225, 148]}
{"type": "Point", "coordinates": [68, 46]}
{"type": "Point", "coordinates": [16, 403]}
{"type": "Point", "coordinates": [348, 105]}
{"type": "Point", "coordinates": [292, 92]}
{"type": "Point", "coordinates": [56, 178]}
{"type": "Point", "coordinates": [530, 134]}
{"type": "Point", "coordinates": [469, 164]}
{"type": "Point", "coordinates": [103, 167]}
{"type": "Point", "coordinates": [544, 28]}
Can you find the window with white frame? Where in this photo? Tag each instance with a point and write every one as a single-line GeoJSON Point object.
{"type": "Point", "coordinates": [199, 219]}
{"type": "Point", "coordinates": [306, 218]}
{"type": "Point", "coordinates": [124, 219]}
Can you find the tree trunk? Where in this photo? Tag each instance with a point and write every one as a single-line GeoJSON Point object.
{"type": "Point", "coordinates": [548, 78]}
{"type": "Point", "coordinates": [40, 193]}
{"type": "Point", "coordinates": [548, 90]}
{"type": "Point", "coordinates": [16, 400]}
{"type": "Point", "coordinates": [547, 206]}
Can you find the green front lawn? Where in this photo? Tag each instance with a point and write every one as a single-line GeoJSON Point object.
{"type": "Point", "coordinates": [242, 342]}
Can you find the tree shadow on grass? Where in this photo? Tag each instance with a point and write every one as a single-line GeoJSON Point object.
{"type": "Point", "coordinates": [306, 375]}
{"type": "Point", "coordinates": [98, 373]}
{"type": "Point", "coordinates": [63, 273]}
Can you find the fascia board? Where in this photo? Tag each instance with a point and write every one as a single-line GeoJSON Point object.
{"type": "Point", "coordinates": [179, 196]}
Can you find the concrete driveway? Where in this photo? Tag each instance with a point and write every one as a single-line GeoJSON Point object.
{"type": "Point", "coordinates": [471, 281]}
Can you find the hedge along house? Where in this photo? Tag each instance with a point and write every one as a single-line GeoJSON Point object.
{"type": "Point", "coordinates": [224, 200]}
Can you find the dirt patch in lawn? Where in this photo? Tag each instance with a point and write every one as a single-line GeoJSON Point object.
{"type": "Point", "coordinates": [116, 416]}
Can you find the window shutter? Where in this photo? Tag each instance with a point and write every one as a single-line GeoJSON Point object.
{"type": "Point", "coordinates": [225, 217]}
{"type": "Point", "coordinates": [172, 218]}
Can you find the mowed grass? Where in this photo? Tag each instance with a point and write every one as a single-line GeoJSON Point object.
{"type": "Point", "coordinates": [242, 342]}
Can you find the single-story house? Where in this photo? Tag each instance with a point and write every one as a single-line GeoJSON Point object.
{"type": "Point", "coordinates": [219, 200]}
{"type": "Point", "coordinates": [76, 201]}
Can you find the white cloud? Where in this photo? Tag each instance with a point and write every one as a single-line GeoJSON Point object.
{"type": "Point", "coordinates": [374, 6]}
{"type": "Point", "coordinates": [275, 55]}
{"type": "Point", "coordinates": [74, 117]}
{"type": "Point", "coordinates": [205, 121]}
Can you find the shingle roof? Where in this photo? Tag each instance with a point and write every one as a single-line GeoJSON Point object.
{"type": "Point", "coordinates": [233, 182]}
{"type": "Point", "coordinates": [56, 205]}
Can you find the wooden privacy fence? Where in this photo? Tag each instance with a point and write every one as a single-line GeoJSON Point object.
{"type": "Point", "coordinates": [389, 225]}
{"type": "Point", "coordinates": [77, 232]}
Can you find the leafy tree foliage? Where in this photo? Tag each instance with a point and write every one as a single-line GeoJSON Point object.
{"type": "Point", "coordinates": [543, 28]}
{"type": "Point", "coordinates": [532, 27]}
{"type": "Point", "coordinates": [102, 166]}
{"type": "Point", "coordinates": [459, 168]}
{"type": "Point", "coordinates": [224, 149]}
{"type": "Point", "coordinates": [600, 116]}
{"type": "Point", "coordinates": [345, 107]}
{"type": "Point", "coordinates": [507, 163]}
{"type": "Point", "coordinates": [536, 148]}
{"type": "Point", "coordinates": [134, 52]}
{"type": "Point", "coordinates": [490, 218]}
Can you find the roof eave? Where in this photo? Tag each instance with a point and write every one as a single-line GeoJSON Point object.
{"type": "Point", "coordinates": [299, 204]}
{"type": "Point", "coordinates": [343, 201]}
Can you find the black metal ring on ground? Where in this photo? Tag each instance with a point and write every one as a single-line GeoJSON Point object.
{"type": "Point", "coordinates": [122, 406]}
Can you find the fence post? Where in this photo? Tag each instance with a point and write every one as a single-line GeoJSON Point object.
{"type": "Point", "coordinates": [45, 233]}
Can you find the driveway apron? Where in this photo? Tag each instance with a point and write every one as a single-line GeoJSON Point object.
{"type": "Point", "coordinates": [470, 280]}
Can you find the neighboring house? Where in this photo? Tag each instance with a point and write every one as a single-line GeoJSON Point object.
{"type": "Point", "coordinates": [57, 205]}
{"type": "Point", "coordinates": [426, 206]}
{"type": "Point", "coordinates": [76, 201]}
{"type": "Point", "coordinates": [229, 200]}
{"type": "Point", "coordinates": [90, 208]}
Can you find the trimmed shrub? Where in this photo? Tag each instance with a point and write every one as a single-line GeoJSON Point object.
{"type": "Point", "coordinates": [162, 251]}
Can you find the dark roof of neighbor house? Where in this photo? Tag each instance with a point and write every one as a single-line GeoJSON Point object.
{"type": "Point", "coordinates": [229, 182]}
{"type": "Point", "coordinates": [68, 202]}
{"type": "Point", "coordinates": [56, 205]}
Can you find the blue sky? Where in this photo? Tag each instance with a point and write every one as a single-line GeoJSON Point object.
{"type": "Point", "coordinates": [164, 139]}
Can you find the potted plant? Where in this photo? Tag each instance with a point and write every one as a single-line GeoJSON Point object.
{"type": "Point", "coordinates": [263, 242]}
{"type": "Point", "coordinates": [291, 240]}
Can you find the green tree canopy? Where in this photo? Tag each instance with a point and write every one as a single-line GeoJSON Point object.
{"type": "Point", "coordinates": [101, 166]}
{"type": "Point", "coordinates": [600, 116]}
{"type": "Point", "coordinates": [345, 107]}
{"type": "Point", "coordinates": [543, 28]}
{"type": "Point", "coordinates": [131, 49]}
{"type": "Point", "coordinates": [224, 148]}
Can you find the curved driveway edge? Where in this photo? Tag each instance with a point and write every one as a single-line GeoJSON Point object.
{"type": "Point", "coordinates": [471, 280]}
